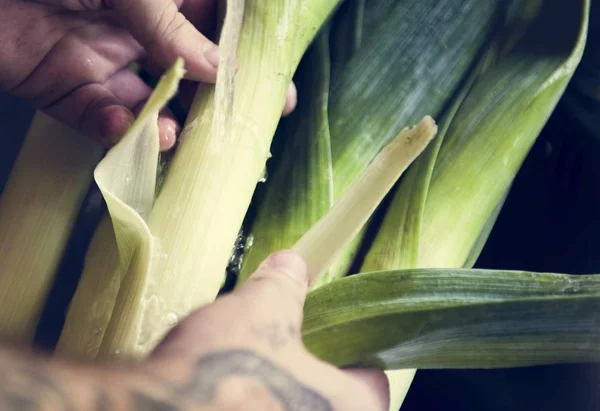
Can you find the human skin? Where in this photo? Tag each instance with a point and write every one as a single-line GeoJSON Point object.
{"type": "Point", "coordinates": [244, 351]}
{"type": "Point", "coordinates": [70, 58]}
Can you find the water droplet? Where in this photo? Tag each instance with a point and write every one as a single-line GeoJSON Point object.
{"type": "Point", "coordinates": [263, 178]}
{"type": "Point", "coordinates": [172, 319]}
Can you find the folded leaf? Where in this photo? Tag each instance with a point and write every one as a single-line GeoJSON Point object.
{"type": "Point", "coordinates": [127, 179]}
{"type": "Point", "coordinates": [326, 239]}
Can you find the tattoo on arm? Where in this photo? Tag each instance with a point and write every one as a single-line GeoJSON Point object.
{"type": "Point", "coordinates": [214, 368]}
{"type": "Point", "coordinates": [26, 385]}
{"type": "Point", "coordinates": [29, 388]}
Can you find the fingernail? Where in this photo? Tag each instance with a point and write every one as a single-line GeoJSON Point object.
{"type": "Point", "coordinates": [291, 263]}
{"type": "Point", "coordinates": [213, 56]}
{"type": "Point", "coordinates": [291, 100]}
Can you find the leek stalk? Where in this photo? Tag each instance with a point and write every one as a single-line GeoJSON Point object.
{"type": "Point", "coordinates": [38, 208]}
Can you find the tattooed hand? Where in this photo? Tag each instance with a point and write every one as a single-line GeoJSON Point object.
{"type": "Point", "coordinates": [242, 352]}
{"type": "Point", "coordinates": [70, 57]}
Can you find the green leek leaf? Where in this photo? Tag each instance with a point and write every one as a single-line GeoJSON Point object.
{"type": "Point", "coordinates": [284, 215]}
{"type": "Point", "coordinates": [444, 318]}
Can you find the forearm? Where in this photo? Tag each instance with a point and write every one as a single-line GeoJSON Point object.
{"type": "Point", "coordinates": [35, 382]}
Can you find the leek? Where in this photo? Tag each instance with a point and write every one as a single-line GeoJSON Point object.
{"type": "Point", "coordinates": [38, 208]}
{"type": "Point", "coordinates": [217, 159]}
{"type": "Point", "coordinates": [392, 81]}
{"type": "Point", "coordinates": [444, 209]}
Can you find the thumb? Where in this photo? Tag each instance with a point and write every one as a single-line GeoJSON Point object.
{"type": "Point", "coordinates": [162, 30]}
{"type": "Point", "coordinates": [271, 301]}
{"type": "Point", "coordinates": [166, 34]}
{"type": "Point", "coordinates": [278, 288]}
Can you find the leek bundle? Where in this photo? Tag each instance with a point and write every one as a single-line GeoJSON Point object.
{"type": "Point", "coordinates": [436, 218]}
{"type": "Point", "coordinates": [391, 82]}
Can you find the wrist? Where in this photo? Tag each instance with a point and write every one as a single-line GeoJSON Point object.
{"type": "Point", "coordinates": [34, 381]}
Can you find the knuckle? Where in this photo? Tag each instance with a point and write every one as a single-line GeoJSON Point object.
{"type": "Point", "coordinates": [278, 285]}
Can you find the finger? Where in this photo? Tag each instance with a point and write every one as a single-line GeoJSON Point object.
{"type": "Point", "coordinates": [105, 112]}
{"type": "Point", "coordinates": [75, 5]}
{"type": "Point", "coordinates": [268, 305]}
{"type": "Point", "coordinates": [376, 383]}
{"type": "Point", "coordinates": [129, 88]}
{"type": "Point", "coordinates": [168, 128]}
{"type": "Point", "coordinates": [281, 281]}
{"type": "Point", "coordinates": [291, 100]}
{"type": "Point", "coordinates": [166, 34]}
{"type": "Point", "coordinates": [202, 14]}
{"type": "Point", "coordinates": [162, 30]}
{"type": "Point", "coordinates": [95, 111]}
{"type": "Point", "coordinates": [91, 53]}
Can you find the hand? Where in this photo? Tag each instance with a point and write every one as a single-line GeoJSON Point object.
{"type": "Point", "coordinates": [242, 352]}
{"type": "Point", "coordinates": [70, 58]}
{"type": "Point", "coordinates": [245, 352]}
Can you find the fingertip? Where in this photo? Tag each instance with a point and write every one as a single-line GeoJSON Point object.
{"type": "Point", "coordinates": [288, 262]}
{"type": "Point", "coordinates": [280, 281]}
{"type": "Point", "coordinates": [291, 100]}
{"type": "Point", "coordinates": [213, 56]}
{"type": "Point", "coordinates": [203, 67]}
{"type": "Point", "coordinates": [167, 34]}
{"type": "Point", "coordinates": [167, 131]}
